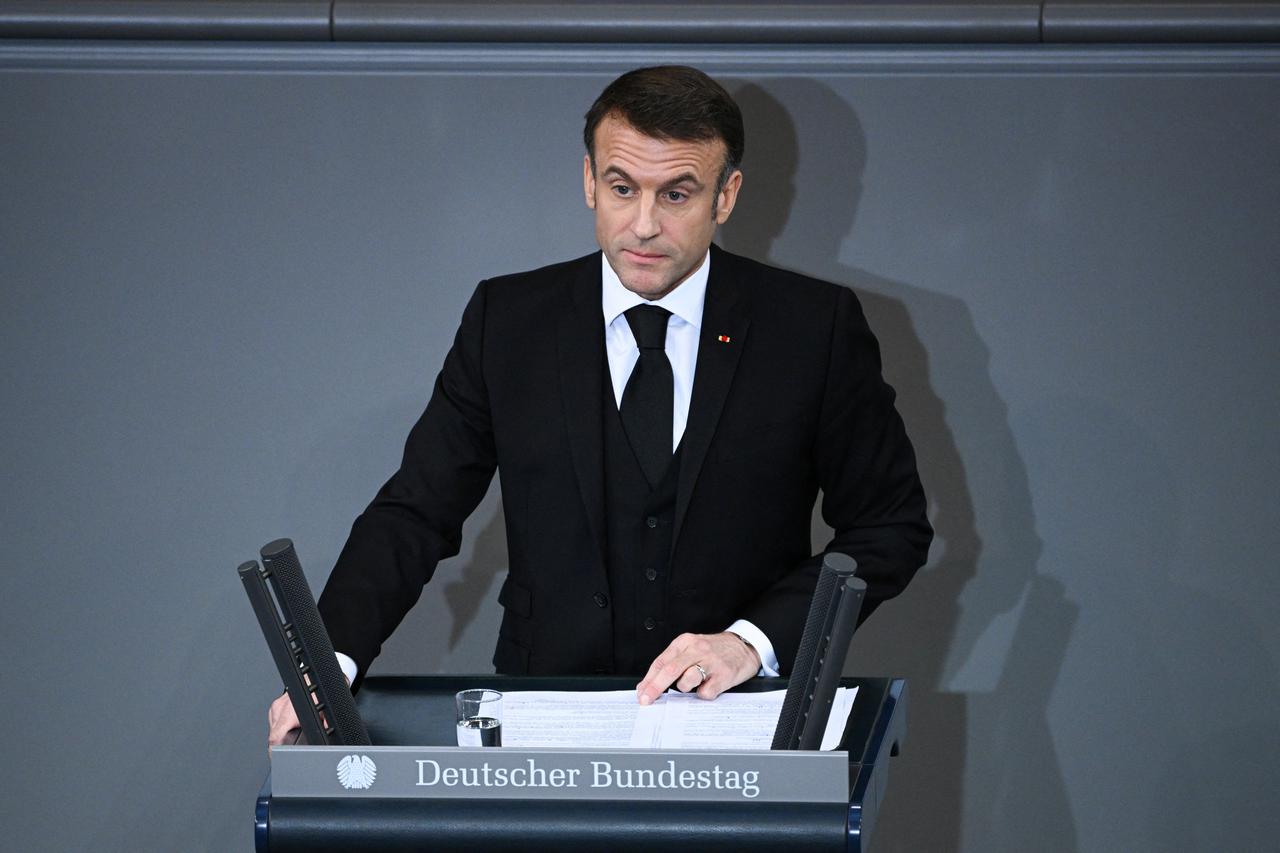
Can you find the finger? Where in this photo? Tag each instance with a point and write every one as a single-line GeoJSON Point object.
{"type": "Point", "coordinates": [713, 686]}
{"type": "Point", "coordinates": [668, 667]}
{"type": "Point", "coordinates": [280, 734]}
{"type": "Point", "coordinates": [690, 680]}
{"type": "Point", "coordinates": [281, 719]}
{"type": "Point", "coordinates": [731, 663]}
{"type": "Point", "coordinates": [276, 730]}
{"type": "Point", "coordinates": [651, 686]}
{"type": "Point", "coordinates": [674, 664]}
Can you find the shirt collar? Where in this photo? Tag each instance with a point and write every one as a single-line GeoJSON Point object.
{"type": "Point", "coordinates": [685, 301]}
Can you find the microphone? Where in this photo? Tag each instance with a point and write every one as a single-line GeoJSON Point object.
{"type": "Point", "coordinates": [828, 630]}
{"type": "Point", "coordinates": [300, 645]}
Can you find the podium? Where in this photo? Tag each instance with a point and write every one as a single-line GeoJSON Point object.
{"type": "Point", "coordinates": [419, 711]}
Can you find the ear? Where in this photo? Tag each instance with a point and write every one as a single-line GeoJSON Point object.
{"type": "Point", "coordinates": [728, 197]}
{"type": "Point", "coordinates": [588, 181]}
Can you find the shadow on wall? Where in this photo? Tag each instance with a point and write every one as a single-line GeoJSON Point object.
{"type": "Point", "coordinates": [980, 648]}
{"type": "Point", "coordinates": [1190, 744]}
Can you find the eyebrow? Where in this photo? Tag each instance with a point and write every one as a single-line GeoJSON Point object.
{"type": "Point", "coordinates": [682, 178]}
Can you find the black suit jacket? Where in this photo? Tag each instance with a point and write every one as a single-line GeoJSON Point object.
{"type": "Point", "coordinates": [790, 402]}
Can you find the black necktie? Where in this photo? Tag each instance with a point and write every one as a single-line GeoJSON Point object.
{"type": "Point", "coordinates": [647, 400]}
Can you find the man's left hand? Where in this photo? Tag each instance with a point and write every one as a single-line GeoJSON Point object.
{"type": "Point", "coordinates": [726, 659]}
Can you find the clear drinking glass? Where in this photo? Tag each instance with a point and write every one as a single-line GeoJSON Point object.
{"type": "Point", "coordinates": [479, 717]}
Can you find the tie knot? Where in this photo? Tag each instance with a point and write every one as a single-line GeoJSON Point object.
{"type": "Point", "coordinates": [649, 325]}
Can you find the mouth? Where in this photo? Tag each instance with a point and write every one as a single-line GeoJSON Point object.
{"type": "Point", "coordinates": [642, 257]}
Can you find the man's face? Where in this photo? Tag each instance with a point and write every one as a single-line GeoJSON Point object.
{"type": "Point", "coordinates": [656, 204]}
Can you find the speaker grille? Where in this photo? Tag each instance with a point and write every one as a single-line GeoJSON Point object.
{"type": "Point", "coordinates": [280, 561]}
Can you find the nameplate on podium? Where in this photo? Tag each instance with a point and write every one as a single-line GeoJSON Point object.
{"type": "Point", "coordinates": [400, 772]}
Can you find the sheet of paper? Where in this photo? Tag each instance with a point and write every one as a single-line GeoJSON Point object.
{"type": "Point", "coordinates": [731, 721]}
{"type": "Point", "coordinates": [839, 718]}
{"type": "Point", "coordinates": [588, 720]}
{"type": "Point", "coordinates": [614, 720]}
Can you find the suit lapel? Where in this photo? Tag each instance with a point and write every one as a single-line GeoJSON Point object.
{"type": "Point", "coordinates": [724, 314]}
{"type": "Point", "coordinates": [580, 350]}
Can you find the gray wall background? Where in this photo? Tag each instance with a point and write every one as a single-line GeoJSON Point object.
{"type": "Point", "coordinates": [229, 275]}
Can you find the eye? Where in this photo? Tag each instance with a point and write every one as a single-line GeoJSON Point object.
{"type": "Point", "coordinates": [621, 190]}
{"type": "Point", "coordinates": [675, 196]}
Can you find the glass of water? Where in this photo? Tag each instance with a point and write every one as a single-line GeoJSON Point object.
{"type": "Point", "coordinates": [479, 717]}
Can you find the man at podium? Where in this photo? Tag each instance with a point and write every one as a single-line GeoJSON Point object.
{"type": "Point", "coordinates": [662, 415]}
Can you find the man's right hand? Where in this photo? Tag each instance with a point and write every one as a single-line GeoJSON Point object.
{"type": "Point", "coordinates": [282, 720]}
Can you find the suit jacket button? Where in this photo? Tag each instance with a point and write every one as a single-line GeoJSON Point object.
{"type": "Point", "coordinates": [650, 574]}
{"type": "Point", "coordinates": [600, 599]}
{"type": "Point", "coordinates": [651, 521]}
{"type": "Point", "coordinates": [649, 624]}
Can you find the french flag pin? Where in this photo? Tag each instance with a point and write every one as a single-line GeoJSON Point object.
{"type": "Point", "coordinates": [724, 339]}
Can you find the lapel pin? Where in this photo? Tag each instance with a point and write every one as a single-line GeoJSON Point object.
{"type": "Point", "coordinates": [724, 339]}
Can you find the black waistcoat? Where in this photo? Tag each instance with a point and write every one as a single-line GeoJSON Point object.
{"type": "Point", "coordinates": [638, 522]}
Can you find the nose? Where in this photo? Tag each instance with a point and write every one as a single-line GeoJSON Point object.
{"type": "Point", "coordinates": [645, 225]}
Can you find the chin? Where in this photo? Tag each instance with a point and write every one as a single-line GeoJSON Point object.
{"type": "Point", "coordinates": [645, 283]}
{"type": "Point", "coordinates": [647, 287]}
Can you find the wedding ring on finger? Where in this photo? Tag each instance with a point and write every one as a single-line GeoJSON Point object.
{"type": "Point", "coordinates": [701, 672]}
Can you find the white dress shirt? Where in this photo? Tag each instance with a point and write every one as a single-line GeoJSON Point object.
{"type": "Point", "coordinates": [685, 304]}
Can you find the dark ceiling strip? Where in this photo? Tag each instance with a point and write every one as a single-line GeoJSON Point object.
{"type": "Point", "coordinates": [207, 20]}
{"type": "Point", "coordinates": [1120, 22]}
{"type": "Point", "coordinates": [691, 23]}
{"type": "Point", "coordinates": [657, 23]}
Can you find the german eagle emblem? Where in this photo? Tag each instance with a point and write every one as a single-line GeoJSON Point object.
{"type": "Point", "coordinates": [357, 771]}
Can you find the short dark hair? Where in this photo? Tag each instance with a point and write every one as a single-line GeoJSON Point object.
{"type": "Point", "coordinates": [671, 102]}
